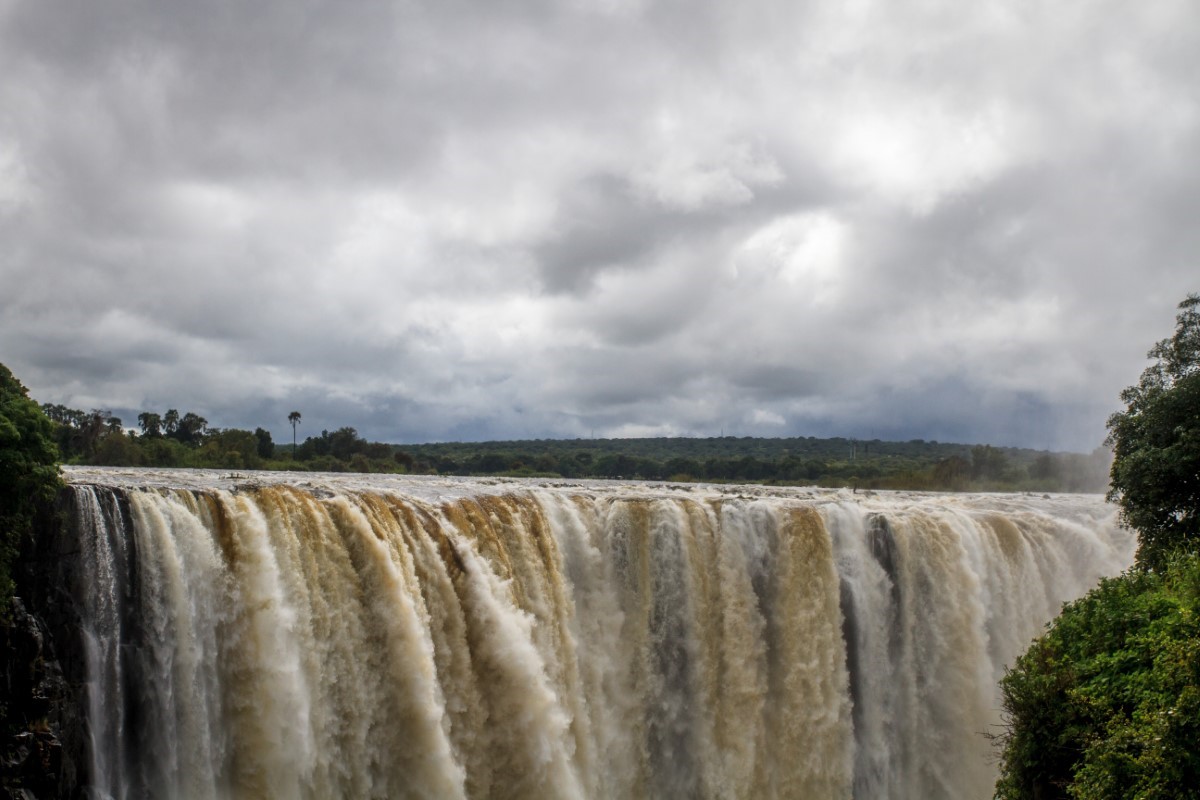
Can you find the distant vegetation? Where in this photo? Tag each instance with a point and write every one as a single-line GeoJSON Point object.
{"type": "Point", "coordinates": [1107, 703]}
{"type": "Point", "coordinates": [175, 440]}
{"type": "Point", "coordinates": [915, 464]}
{"type": "Point", "coordinates": [172, 439]}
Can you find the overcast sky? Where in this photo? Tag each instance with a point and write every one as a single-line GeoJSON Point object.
{"type": "Point", "coordinates": [459, 220]}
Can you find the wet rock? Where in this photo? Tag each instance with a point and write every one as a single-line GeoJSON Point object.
{"type": "Point", "coordinates": [31, 759]}
{"type": "Point", "coordinates": [42, 737]}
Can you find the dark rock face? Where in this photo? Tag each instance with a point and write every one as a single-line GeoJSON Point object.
{"type": "Point", "coordinates": [33, 683]}
{"type": "Point", "coordinates": [43, 751]}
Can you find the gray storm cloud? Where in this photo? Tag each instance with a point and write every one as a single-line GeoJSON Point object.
{"type": "Point", "coordinates": [482, 220]}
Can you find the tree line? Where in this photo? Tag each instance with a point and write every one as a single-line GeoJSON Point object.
{"type": "Point", "coordinates": [172, 439]}
{"type": "Point", "coordinates": [1107, 703]}
{"type": "Point", "coordinates": [893, 465]}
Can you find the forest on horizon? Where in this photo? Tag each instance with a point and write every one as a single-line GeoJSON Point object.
{"type": "Point", "coordinates": [186, 440]}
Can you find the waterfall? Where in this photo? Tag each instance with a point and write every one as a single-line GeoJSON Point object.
{"type": "Point", "coordinates": [432, 638]}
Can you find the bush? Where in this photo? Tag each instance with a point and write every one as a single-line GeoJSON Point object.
{"type": "Point", "coordinates": [1156, 446]}
{"type": "Point", "coordinates": [1106, 704]}
{"type": "Point", "coordinates": [28, 471]}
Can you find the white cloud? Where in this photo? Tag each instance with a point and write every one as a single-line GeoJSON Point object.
{"type": "Point", "coordinates": [804, 251]}
{"type": "Point", "coordinates": [917, 152]}
{"type": "Point", "coordinates": [763, 417]}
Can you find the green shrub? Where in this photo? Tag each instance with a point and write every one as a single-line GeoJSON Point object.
{"type": "Point", "coordinates": [1106, 704]}
{"type": "Point", "coordinates": [1156, 446]}
{"type": "Point", "coordinates": [28, 471]}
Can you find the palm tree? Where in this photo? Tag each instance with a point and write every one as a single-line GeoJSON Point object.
{"type": "Point", "coordinates": [294, 418]}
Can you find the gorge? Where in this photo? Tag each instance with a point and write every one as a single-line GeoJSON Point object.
{"type": "Point", "coordinates": [302, 636]}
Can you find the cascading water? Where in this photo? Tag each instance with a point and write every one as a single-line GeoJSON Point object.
{"type": "Point", "coordinates": [436, 638]}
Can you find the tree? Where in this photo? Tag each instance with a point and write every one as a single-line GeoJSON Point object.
{"type": "Point", "coordinates": [1045, 468]}
{"type": "Point", "coordinates": [28, 471]}
{"type": "Point", "coordinates": [952, 473]}
{"type": "Point", "coordinates": [345, 442]}
{"type": "Point", "coordinates": [191, 428]}
{"type": "Point", "coordinates": [150, 423]}
{"type": "Point", "coordinates": [1156, 446]}
{"type": "Point", "coordinates": [59, 413]}
{"type": "Point", "coordinates": [92, 429]}
{"type": "Point", "coordinates": [266, 447]}
{"type": "Point", "coordinates": [117, 450]}
{"type": "Point", "coordinates": [294, 418]}
{"type": "Point", "coordinates": [171, 422]}
{"type": "Point", "coordinates": [988, 463]}
{"type": "Point", "coordinates": [1107, 703]}
{"type": "Point", "coordinates": [230, 448]}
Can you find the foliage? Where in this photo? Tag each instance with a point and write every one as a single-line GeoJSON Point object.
{"type": "Point", "coordinates": [28, 470]}
{"type": "Point", "coordinates": [345, 451]}
{"type": "Point", "coordinates": [150, 423]}
{"type": "Point", "coordinates": [229, 449]}
{"type": "Point", "coordinates": [191, 429]}
{"type": "Point", "coordinates": [186, 440]}
{"type": "Point", "coordinates": [1107, 704]}
{"type": "Point", "coordinates": [294, 420]}
{"type": "Point", "coordinates": [1156, 445]}
{"type": "Point", "coordinates": [874, 464]}
{"type": "Point", "coordinates": [265, 446]}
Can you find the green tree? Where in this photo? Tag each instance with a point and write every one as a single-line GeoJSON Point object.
{"type": "Point", "coordinates": [231, 448]}
{"type": "Point", "coordinates": [266, 447]}
{"type": "Point", "coordinates": [682, 468]}
{"type": "Point", "coordinates": [191, 429]}
{"type": "Point", "coordinates": [988, 463]}
{"type": "Point", "coordinates": [59, 413]}
{"type": "Point", "coordinates": [1156, 446]}
{"type": "Point", "coordinates": [952, 473]}
{"type": "Point", "coordinates": [1045, 468]}
{"type": "Point", "coordinates": [150, 423]}
{"type": "Point", "coordinates": [171, 422]}
{"type": "Point", "coordinates": [294, 419]}
{"type": "Point", "coordinates": [87, 438]}
{"type": "Point", "coordinates": [344, 443]}
{"type": "Point", "coordinates": [28, 471]}
{"type": "Point", "coordinates": [117, 450]}
{"type": "Point", "coordinates": [1107, 703]}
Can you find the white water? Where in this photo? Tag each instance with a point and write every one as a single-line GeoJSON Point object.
{"type": "Point", "coordinates": [301, 637]}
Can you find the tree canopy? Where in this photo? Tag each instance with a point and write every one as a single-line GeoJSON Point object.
{"type": "Point", "coordinates": [1107, 703]}
{"type": "Point", "coordinates": [1156, 445]}
{"type": "Point", "coordinates": [28, 469]}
